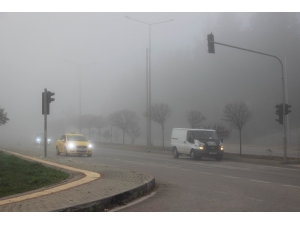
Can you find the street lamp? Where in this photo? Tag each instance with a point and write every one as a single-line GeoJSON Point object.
{"type": "Point", "coordinates": [79, 65]}
{"type": "Point", "coordinates": [148, 109]}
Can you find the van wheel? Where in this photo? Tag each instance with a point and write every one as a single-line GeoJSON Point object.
{"type": "Point", "coordinates": [219, 158]}
{"type": "Point", "coordinates": [57, 152]}
{"type": "Point", "coordinates": [175, 153]}
{"type": "Point", "coordinates": [192, 154]}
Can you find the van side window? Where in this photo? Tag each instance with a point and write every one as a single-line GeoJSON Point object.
{"type": "Point", "coordinates": [190, 137]}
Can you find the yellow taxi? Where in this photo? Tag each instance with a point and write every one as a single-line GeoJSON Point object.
{"type": "Point", "coordinates": [72, 143]}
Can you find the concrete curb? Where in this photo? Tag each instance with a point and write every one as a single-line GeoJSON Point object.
{"type": "Point", "coordinates": [100, 204]}
{"type": "Point", "coordinates": [112, 201]}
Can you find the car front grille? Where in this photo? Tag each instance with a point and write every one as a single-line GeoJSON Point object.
{"type": "Point", "coordinates": [81, 148]}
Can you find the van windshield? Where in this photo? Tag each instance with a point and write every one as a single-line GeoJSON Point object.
{"type": "Point", "coordinates": [205, 135]}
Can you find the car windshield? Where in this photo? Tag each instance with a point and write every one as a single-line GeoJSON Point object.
{"type": "Point", "coordinates": [205, 135]}
{"type": "Point", "coordinates": [76, 138]}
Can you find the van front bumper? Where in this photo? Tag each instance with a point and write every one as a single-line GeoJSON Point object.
{"type": "Point", "coordinates": [210, 153]}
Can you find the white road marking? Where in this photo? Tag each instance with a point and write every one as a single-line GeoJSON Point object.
{"type": "Point", "coordinates": [291, 186]}
{"type": "Point", "coordinates": [229, 176]}
{"type": "Point", "coordinates": [260, 181]}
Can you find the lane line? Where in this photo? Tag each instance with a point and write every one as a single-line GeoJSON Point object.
{"type": "Point", "coordinates": [291, 186]}
{"type": "Point", "coordinates": [230, 176]}
{"type": "Point", "coordinates": [260, 181]}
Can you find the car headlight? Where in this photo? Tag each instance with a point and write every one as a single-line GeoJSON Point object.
{"type": "Point", "coordinates": [71, 145]}
{"type": "Point", "coordinates": [201, 147]}
{"type": "Point", "coordinates": [48, 139]}
{"type": "Point", "coordinates": [222, 147]}
{"type": "Point", "coordinates": [38, 139]}
{"type": "Point", "coordinates": [90, 146]}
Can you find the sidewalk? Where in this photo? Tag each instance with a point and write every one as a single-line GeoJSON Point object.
{"type": "Point", "coordinates": [90, 188]}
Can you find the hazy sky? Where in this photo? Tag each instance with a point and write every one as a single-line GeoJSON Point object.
{"type": "Point", "coordinates": [48, 49]}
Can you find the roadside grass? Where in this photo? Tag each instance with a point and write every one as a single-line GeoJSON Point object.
{"type": "Point", "coordinates": [18, 175]}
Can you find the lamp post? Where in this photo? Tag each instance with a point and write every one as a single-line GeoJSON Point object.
{"type": "Point", "coordinates": [79, 65]}
{"type": "Point", "coordinates": [148, 78]}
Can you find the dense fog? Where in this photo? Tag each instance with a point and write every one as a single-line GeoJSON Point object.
{"type": "Point", "coordinates": [107, 52]}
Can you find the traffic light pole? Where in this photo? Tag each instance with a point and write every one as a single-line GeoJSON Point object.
{"type": "Point", "coordinates": [283, 90]}
{"type": "Point", "coordinates": [45, 123]}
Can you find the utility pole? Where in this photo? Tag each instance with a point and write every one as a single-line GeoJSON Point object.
{"type": "Point", "coordinates": [46, 100]}
{"type": "Point", "coordinates": [45, 121]}
{"type": "Point", "coordinates": [211, 49]}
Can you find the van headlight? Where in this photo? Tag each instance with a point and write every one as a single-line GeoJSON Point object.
{"type": "Point", "coordinates": [71, 145]}
{"type": "Point", "coordinates": [90, 146]}
{"type": "Point", "coordinates": [201, 147]}
{"type": "Point", "coordinates": [222, 147]}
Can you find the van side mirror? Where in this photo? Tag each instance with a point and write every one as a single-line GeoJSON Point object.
{"type": "Point", "coordinates": [222, 140]}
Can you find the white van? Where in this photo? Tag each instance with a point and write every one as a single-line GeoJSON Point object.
{"type": "Point", "coordinates": [196, 143]}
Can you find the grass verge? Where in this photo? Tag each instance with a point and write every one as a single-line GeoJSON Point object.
{"type": "Point", "coordinates": [18, 175]}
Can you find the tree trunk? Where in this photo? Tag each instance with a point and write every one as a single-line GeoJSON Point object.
{"type": "Point", "coordinates": [99, 134]}
{"type": "Point", "coordinates": [123, 136]}
{"type": "Point", "coordinates": [240, 142]}
{"type": "Point", "coordinates": [163, 138]}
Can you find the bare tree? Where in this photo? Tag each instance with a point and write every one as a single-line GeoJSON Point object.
{"type": "Point", "coordinates": [237, 114]}
{"type": "Point", "coordinates": [100, 122]}
{"type": "Point", "coordinates": [106, 135]}
{"type": "Point", "coordinates": [195, 118]}
{"type": "Point", "coordinates": [122, 119]}
{"type": "Point", "coordinates": [116, 135]}
{"type": "Point", "coordinates": [222, 131]}
{"type": "Point", "coordinates": [88, 121]}
{"type": "Point", "coordinates": [159, 114]}
{"type": "Point", "coordinates": [133, 131]}
{"type": "Point", "coordinates": [3, 117]}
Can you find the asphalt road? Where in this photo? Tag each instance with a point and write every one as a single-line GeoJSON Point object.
{"type": "Point", "coordinates": [208, 185]}
{"type": "Point", "coordinates": [186, 185]}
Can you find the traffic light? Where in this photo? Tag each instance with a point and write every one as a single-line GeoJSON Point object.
{"type": "Point", "coordinates": [211, 44]}
{"type": "Point", "coordinates": [287, 109]}
{"type": "Point", "coordinates": [49, 99]}
{"type": "Point", "coordinates": [279, 112]}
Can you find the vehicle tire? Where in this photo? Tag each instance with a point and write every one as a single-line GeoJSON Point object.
{"type": "Point", "coordinates": [192, 154]}
{"type": "Point", "coordinates": [199, 157]}
{"type": "Point", "coordinates": [219, 158]}
{"type": "Point", "coordinates": [57, 152]}
{"type": "Point", "coordinates": [175, 153]}
{"type": "Point", "coordinates": [89, 155]}
{"type": "Point", "coordinates": [66, 152]}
